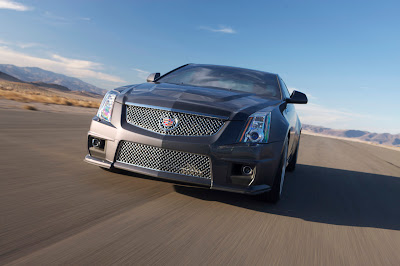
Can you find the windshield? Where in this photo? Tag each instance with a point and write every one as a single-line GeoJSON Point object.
{"type": "Point", "coordinates": [244, 80]}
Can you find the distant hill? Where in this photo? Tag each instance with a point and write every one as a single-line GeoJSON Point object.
{"type": "Point", "coordinates": [10, 83]}
{"type": "Point", "coordinates": [35, 74]}
{"type": "Point", "coordinates": [4, 76]}
{"type": "Point", "coordinates": [14, 83]}
{"type": "Point", "coordinates": [377, 138]}
{"type": "Point", "coordinates": [12, 88]}
{"type": "Point", "coordinates": [50, 85]}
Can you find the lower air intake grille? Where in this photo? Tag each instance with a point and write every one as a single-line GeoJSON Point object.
{"type": "Point", "coordinates": [164, 160]}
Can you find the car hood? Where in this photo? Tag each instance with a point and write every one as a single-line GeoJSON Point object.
{"type": "Point", "coordinates": [213, 101]}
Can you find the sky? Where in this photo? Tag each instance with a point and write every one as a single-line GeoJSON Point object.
{"type": "Point", "coordinates": [345, 55]}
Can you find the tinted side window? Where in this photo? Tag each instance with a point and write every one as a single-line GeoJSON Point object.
{"type": "Point", "coordinates": [285, 90]}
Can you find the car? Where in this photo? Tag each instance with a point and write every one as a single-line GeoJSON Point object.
{"type": "Point", "coordinates": [224, 128]}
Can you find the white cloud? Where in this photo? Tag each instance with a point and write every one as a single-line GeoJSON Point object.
{"type": "Point", "coordinates": [315, 114]}
{"type": "Point", "coordinates": [75, 63]}
{"type": "Point", "coordinates": [50, 15]}
{"type": "Point", "coordinates": [7, 4]}
{"type": "Point", "coordinates": [21, 44]}
{"type": "Point", "coordinates": [29, 45]}
{"type": "Point", "coordinates": [142, 73]}
{"type": "Point", "coordinates": [56, 19]}
{"type": "Point", "coordinates": [222, 29]}
{"type": "Point", "coordinates": [72, 67]}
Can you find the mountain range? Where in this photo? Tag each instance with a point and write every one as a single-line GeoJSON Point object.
{"type": "Point", "coordinates": [376, 138]}
{"type": "Point", "coordinates": [12, 88]}
{"type": "Point", "coordinates": [6, 77]}
{"type": "Point", "coordinates": [38, 75]}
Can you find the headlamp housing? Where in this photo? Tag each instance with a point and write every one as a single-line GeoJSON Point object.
{"type": "Point", "coordinates": [106, 106]}
{"type": "Point", "coordinates": [257, 128]}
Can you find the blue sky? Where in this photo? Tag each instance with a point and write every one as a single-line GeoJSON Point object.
{"type": "Point", "coordinates": [345, 55]}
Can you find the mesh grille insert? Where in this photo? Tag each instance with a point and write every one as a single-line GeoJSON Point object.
{"type": "Point", "coordinates": [160, 159]}
{"type": "Point", "coordinates": [186, 124]}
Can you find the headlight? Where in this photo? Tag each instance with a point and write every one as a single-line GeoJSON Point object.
{"type": "Point", "coordinates": [257, 128]}
{"type": "Point", "coordinates": [106, 106]}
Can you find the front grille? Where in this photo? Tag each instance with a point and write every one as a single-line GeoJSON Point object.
{"type": "Point", "coordinates": [187, 124]}
{"type": "Point", "coordinates": [164, 160]}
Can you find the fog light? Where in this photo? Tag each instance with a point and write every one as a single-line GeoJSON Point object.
{"type": "Point", "coordinates": [247, 170]}
{"type": "Point", "coordinates": [96, 143]}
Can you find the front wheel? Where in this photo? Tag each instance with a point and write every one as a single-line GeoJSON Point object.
{"type": "Point", "coordinates": [275, 193]}
{"type": "Point", "coordinates": [293, 161]}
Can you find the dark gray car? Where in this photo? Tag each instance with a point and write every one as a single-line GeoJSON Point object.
{"type": "Point", "coordinates": [225, 128]}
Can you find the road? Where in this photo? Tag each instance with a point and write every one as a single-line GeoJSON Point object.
{"type": "Point", "coordinates": [340, 207]}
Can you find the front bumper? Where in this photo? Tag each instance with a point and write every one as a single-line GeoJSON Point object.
{"type": "Point", "coordinates": [250, 190]}
{"type": "Point", "coordinates": [225, 159]}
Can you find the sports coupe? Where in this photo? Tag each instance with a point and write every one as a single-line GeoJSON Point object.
{"type": "Point", "coordinates": [225, 128]}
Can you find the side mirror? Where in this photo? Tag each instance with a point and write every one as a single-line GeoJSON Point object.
{"type": "Point", "coordinates": [297, 97]}
{"type": "Point", "coordinates": [152, 77]}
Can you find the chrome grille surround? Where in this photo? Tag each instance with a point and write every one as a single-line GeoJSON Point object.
{"type": "Point", "coordinates": [165, 160]}
{"type": "Point", "coordinates": [188, 124]}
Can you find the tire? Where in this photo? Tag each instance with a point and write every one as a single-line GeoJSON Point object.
{"type": "Point", "coordinates": [293, 161]}
{"type": "Point", "coordinates": [274, 195]}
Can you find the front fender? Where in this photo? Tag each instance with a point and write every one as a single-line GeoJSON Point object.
{"type": "Point", "coordinates": [280, 127]}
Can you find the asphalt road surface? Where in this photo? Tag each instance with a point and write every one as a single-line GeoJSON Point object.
{"type": "Point", "coordinates": [340, 207]}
